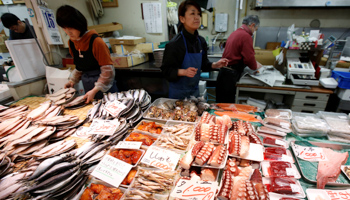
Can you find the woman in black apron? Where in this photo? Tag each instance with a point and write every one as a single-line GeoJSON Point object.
{"type": "Point", "coordinates": [185, 56]}
{"type": "Point", "coordinates": [93, 63]}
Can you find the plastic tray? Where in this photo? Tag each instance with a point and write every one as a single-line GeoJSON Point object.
{"type": "Point", "coordinates": [279, 143]}
{"type": "Point", "coordinates": [143, 146]}
{"type": "Point", "coordinates": [266, 164]}
{"type": "Point", "coordinates": [275, 132]}
{"type": "Point", "coordinates": [330, 83]}
{"type": "Point", "coordinates": [256, 153]}
{"type": "Point", "coordinates": [338, 127]}
{"type": "Point", "coordinates": [324, 115]}
{"type": "Point", "coordinates": [280, 113]}
{"type": "Point", "coordinates": [343, 79]}
{"type": "Point", "coordinates": [157, 103]}
{"type": "Point", "coordinates": [267, 181]}
{"type": "Point", "coordinates": [127, 186]}
{"type": "Point", "coordinates": [307, 133]}
{"type": "Point", "coordinates": [143, 153]}
{"type": "Point", "coordinates": [312, 194]}
{"type": "Point", "coordinates": [309, 170]}
{"type": "Point", "coordinates": [157, 123]}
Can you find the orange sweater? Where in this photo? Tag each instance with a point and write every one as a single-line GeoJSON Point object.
{"type": "Point", "coordinates": [99, 48]}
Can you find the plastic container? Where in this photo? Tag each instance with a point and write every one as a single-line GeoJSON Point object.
{"type": "Point", "coordinates": [330, 83]}
{"type": "Point", "coordinates": [291, 171]}
{"type": "Point", "coordinates": [343, 79]}
{"type": "Point", "coordinates": [279, 113]}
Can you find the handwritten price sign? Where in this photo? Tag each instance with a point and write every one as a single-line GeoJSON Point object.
{"type": "Point", "coordinates": [114, 108]}
{"type": "Point", "coordinates": [111, 170]}
{"type": "Point", "coordinates": [128, 145]}
{"type": "Point", "coordinates": [194, 190]}
{"type": "Point", "coordinates": [161, 158]}
{"type": "Point", "coordinates": [338, 194]}
{"type": "Point", "coordinates": [312, 154]}
{"type": "Point", "coordinates": [103, 127]}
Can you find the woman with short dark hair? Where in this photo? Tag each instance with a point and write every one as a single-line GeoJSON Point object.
{"type": "Point", "coordinates": [185, 56]}
{"type": "Point", "coordinates": [91, 55]}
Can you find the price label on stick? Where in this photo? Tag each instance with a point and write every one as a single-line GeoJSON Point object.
{"type": "Point", "coordinates": [194, 190]}
{"type": "Point", "coordinates": [161, 158]}
{"type": "Point", "coordinates": [114, 108]}
{"type": "Point", "coordinates": [103, 127]}
{"type": "Point", "coordinates": [312, 154]}
{"type": "Point", "coordinates": [111, 170]}
{"type": "Point", "coordinates": [128, 145]}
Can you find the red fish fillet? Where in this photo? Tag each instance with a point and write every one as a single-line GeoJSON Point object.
{"type": "Point", "coordinates": [239, 115]}
{"type": "Point", "coordinates": [328, 171]}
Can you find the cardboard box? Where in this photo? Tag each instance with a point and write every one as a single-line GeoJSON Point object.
{"type": "Point", "coordinates": [142, 47]}
{"type": "Point", "coordinates": [343, 64]}
{"type": "Point", "coordinates": [128, 61]}
{"type": "Point", "coordinates": [265, 57]}
{"type": "Point", "coordinates": [127, 41]}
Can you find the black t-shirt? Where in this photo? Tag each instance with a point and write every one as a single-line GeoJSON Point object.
{"type": "Point", "coordinates": [18, 36]}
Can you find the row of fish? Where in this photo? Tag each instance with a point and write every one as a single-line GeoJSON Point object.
{"type": "Point", "coordinates": [62, 96]}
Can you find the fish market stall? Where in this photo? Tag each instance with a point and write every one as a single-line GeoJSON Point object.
{"type": "Point", "coordinates": [126, 146]}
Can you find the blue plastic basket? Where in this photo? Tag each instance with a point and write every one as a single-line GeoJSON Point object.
{"type": "Point", "coordinates": [343, 79]}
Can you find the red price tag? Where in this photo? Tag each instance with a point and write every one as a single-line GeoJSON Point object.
{"type": "Point", "coordinates": [338, 194]}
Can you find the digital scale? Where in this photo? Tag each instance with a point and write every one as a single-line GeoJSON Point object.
{"type": "Point", "coordinates": [301, 73]}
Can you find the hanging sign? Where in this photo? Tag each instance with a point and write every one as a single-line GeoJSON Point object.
{"type": "Point", "coordinates": [50, 28]}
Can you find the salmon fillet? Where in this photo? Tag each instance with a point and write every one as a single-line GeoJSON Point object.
{"type": "Point", "coordinates": [239, 115]}
{"type": "Point", "coordinates": [328, 171]}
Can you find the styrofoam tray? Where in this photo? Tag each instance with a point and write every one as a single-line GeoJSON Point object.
{"type": "Point", "coordinates": [256, 153]}
{"type": "Point", "coordinates": [265, 169]}
{"type": "Point", "coordinates": [157, 123]}
{"type": "Point", "coordinates": [270, 135]}
{"type": "Point", "coordinates": [267, 181]}
{"type": "Point", "coordinates": [143, 146]}
{"type": "Point", "coordinates": [277, 132]}
{"type": "Point", "coordinates": [158, 102]}
{"type": "Point", "coordinates": [283, 113]}
{"type": "Point", "coordinates": [279, 143]}
{"type": "Point", "coordinates": [330, 83]}
{"type": "Point", "coordinates": [287, 158]}
{"type": "Point", "coordinates": [343, 170]}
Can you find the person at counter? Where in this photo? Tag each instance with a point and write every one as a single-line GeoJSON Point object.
{"type": "Point", "coordinates": [18, 29]}
{"type": "Point", "coordinates": [240, 53]}
{"type": "Point", "coordinates": [185, 56]}
{"type": "Point", "coordinates": [91, 55]}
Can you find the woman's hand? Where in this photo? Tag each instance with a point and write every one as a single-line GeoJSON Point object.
{"type": "Point", "coordinates": [69, 84]}
{"type": "Point", "coordinates": [189, 72]}
{"type": "Point", "coordinates": [223, 62]}
{"type": "Point", "coordinates": [90, 95]}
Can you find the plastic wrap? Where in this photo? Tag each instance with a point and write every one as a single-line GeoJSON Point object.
{"type": "Point", "coordinates": [279, 113]}
{"type": "Point", "coordinates": [280, 169]}
{"type": "Point", "coordinates": [287, 186]}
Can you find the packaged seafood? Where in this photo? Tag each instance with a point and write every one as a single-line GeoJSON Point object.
{"type": "Point", "coordinates": [255, 153]}
{"type": "Point", "coordinates": [173, 110]}
{"type": "Point", "coordinates": [279, 113]}
{"type": "Point", "coordinates": [272, 142]}
{"type": "Point", "coordinates": [279, 169]}
{"type": "Point", "coordinates": [150, 127]}
{"type": "Point", "coordinates": [267, 130]}
{"type": "Point", "coordinates": [130, 156]}
{"type": "Point", "coordinates": [154, 180]}
{"type": "Point", "coordinates": [308, 132]}
{"type": "Point", "coordinates": [146, 139]}
{"type": "Point", "coordinates": [100, 190]}
{"type": "Point", "coordinates": [307, 124]}
{"type": "Point", "coordinates": [338, 127]}
{"type": "Point", "coordinates": [211, 158]}
{"type": "Point", "coordinates": [129, 178]}
{"type": "Point", "coordinates": [201, 173]}
{"type": "Point", "coordinates": [276, 150]}
{"type": "Point", "coordinates": [278, 124]}
{"type": "Point", "coordinates": [135, 194]}
{"type": "Point", "coordinates": [237, 107]}
{"type": "Point", "coordinates": [286, 186]}
{"type": "Point", "coordinates": [240, 115]}
{"type": "Point", "coordinates": [325, 114]}
{"type": "Point", "coordinates": [275, 196]}
{"type": "Point", "coordinates": [261, 134]}
{"type": "Point", "coordinates": [346, 170]}
{"type": "Point", "coordinates": [215, 133]}
{"type": "Point", "coordinates": [176, 136]}
{"type": "Point", "coordinates": [279, 157]}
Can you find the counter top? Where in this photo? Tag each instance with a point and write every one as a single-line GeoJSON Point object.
{"type": "Point", "coordinates": [313, 89]}
{"type": "Point", "coordinates": [143, 67]}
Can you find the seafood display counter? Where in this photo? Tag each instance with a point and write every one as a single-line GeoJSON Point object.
{"type": "Point", "coordinates": [168, 149]}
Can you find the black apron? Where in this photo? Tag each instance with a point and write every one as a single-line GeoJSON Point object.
{"type": "Point", "coordinates": [87, 63]}
{"type": "Point", "coordinates": [226, 83]}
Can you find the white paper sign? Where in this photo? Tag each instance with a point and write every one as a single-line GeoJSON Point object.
{"type": "Point", "coordinates": [51, 31]}
{"type": "Point", "coordinates": [312, 154]}
{"type": "Point", "coordinates": [111, 170]}
{"type": "Point", "coordinates": [194, 190]}
{"type": "Point", "coordinates": [128, 145]}
{"type": "Point", "coordinates": [103, 127]}
{"type": "Point", "coordinates": [152, 13]}
{"type": "Point", "coordinates": [161, 158]}
{"type": "Point", "coordinates": [114, 108]}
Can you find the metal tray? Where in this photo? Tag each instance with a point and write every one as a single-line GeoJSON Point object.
{"type": "Point", "coordinates": [309, 170]}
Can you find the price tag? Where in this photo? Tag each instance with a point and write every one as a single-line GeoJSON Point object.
{"type": "Point", "coordinates": [50, 28]}
{"type": "Point", "coordinates": [312, 154]}
{"type": "Point", "coordinates": [280, 142]}
{"type": "Point", "coordinates": [3, 107]}
{"type": "Point", "coordinates": [194, 190]}
{"type": "Point", "coordinates": [103, 127]}
{"type": "Point", "coordinates": [128, 145]}
{"type": "Point", "coordinates": [290, 172]}
{"type": "Point", "coordinates": [338, 194]}
{"type": "Point", "coordinates": [161, 158]}
{"type": "Point", "coordinates": [296, 188]}
{"type": "Point", "coordinates": [114, 108]}
{"type": "Point", "coordinates": [111, 170]}
{"type": "Point", "coordinates": [82, 132]}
